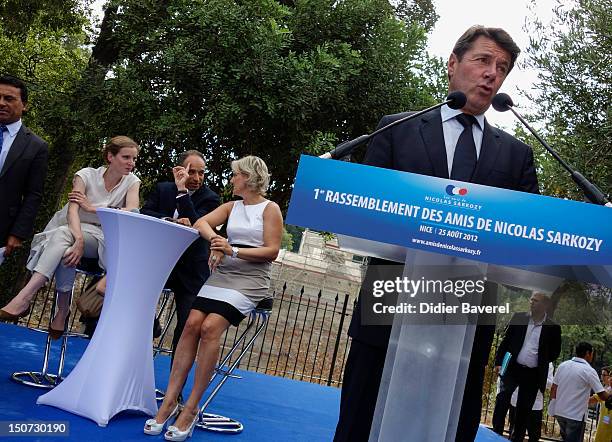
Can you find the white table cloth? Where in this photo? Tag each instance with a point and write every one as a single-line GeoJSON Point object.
{"type": "Point", "coordinates": [116, 371]}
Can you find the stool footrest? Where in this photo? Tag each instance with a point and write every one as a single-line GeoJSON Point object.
{"type": "Point", "coordinates": [69, 334]}
{"type": "Point", "coordinates": [219, 424]}
{"type": "Point", "coordinates": [227, 372]}
{"type": "Point", "coordinates": [72, 334]}
{"type": "Point", "coordinates": [36, 379]}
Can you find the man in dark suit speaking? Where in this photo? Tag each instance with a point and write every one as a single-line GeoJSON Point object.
{"type": "Point", "coordinates": [186, 199]}
{"type": "Point", "coordinates": [532, 341]}
{"type": "Point", "coordinates": [445, 143]}
{"type": "Point", "coordinates": [23, 167]}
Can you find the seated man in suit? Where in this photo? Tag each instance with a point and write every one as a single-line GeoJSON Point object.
{"type": "Point", "coordinates": [533, 342]}
{"type": "Point", "coordinates": [23, 167]}
{"type": "Point", "coordinates": [459, 144]}
{"type": "Point", "coordinates": [186, 199]}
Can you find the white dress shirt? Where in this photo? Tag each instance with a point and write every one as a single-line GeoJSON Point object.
{"type": "Point", "coordinates": [528, 356]}
{"type": "Point", "coordinates": [574, 379]}
{"type": "Point", "coordinates": [7, 141]}
{"type": "Point", "coordinates": [452, 130]}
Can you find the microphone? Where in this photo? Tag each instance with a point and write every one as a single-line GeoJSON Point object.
{"type": "Point", "coordinates": [455, 100]}
{"type": "Point", "coordinates": [502, 102]}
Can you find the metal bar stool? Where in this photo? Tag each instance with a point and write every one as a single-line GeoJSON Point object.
{"type": "Point", "coordinates": [222, 424]}
{"type": "Point", "coordinates": [43, 379]}
{"type": "Point", "coordinates": [166, 298]}
{"type": "Point", "coordinates": [167, 301]}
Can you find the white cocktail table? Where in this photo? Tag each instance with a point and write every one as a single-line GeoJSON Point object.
{"type": "Point", "coordinates": [116, 371]}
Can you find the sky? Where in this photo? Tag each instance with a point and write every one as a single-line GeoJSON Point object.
{"type": "Point", "coordinates": [456, 16]}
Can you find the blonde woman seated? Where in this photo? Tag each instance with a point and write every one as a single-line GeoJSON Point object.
{"type": "Point", "coordinates": [240, 278]}
{"type": "Point", "coordinates": [75, 231]}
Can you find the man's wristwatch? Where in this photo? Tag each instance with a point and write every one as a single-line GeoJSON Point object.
{"type": "Point", "coordinates": [235, 252]}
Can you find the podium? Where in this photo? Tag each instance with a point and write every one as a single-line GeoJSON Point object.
{"type": "Point", "coordinates": [426, 364]}
{"type": "Point", "coordinates": [481, 233]}
{"type": "Point", "coordinates": [116, 371]}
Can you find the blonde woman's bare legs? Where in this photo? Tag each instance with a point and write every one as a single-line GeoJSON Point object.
{"type": "Point", "coordinates": [211, 330]}
{"type": "Point", "coordinates": [183, 361]}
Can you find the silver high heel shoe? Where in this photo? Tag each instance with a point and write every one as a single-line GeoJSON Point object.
{"type": "Point", "coordinates": [174, 434]}
{"type": "Point", "coordinates": [152, 428]}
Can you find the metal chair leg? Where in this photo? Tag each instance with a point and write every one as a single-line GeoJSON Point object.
{"type": "Point", "coordinates": [220, 370]}
{"type": "Point", "coordinates": [223, 424]}
{"type": "Point", "coordinates": [157, 350]}
{"type": "Point", "coordinates": [44, 379]}
{"type": "Point", "coordinates": [161, 394]}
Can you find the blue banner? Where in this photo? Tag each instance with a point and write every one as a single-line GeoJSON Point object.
{"type": "Point", "coordinates": [467, 220]}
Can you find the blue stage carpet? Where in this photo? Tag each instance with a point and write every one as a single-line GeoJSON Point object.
{"type": "Point", "coordinates": [271, 408]}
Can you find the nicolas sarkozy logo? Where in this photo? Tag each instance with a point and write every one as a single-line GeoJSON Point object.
{"type": "Point", "coordinates": [456, 191]}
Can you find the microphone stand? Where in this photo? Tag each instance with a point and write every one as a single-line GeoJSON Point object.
{"type": "Point", "coordinates": [591, 191]}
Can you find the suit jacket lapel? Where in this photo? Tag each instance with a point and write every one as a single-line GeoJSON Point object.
{"type": "Point", "coordinates": [17, 148]}
{"type": "Point", "coordinates": [488, 154]}
{"type": "Point", "coordinates": [433, 139]}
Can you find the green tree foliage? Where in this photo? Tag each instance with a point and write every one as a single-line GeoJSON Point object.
{"type": "Point", "coordinates": [286, 240]}
{"type": "Point", "coordinates": [19, 17]}
{"type": "Point", "coordinates": [296, 233]}
{"type": "Point", "coordinates": [230, 78]}
{"type": "Point", "coordinates": [573, 55]}
{"type": "Point", "coordinates": [262, 77]}
{"type": "Point", "coordinates": [43, 43]}
{"type": "Point", "coordinates": [585, 314]}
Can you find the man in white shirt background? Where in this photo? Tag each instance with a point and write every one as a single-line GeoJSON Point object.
{"type": "Point", "coordinates": [530, 343]}
{"type": "Point", "coordinates": [571, 390]}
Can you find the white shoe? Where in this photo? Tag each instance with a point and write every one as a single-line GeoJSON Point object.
{"type": "Point", "coordinates": [174, 434]}
{"type": "Point", "coordinates": [152, 428]}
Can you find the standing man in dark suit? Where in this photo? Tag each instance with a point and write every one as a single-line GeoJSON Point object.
{"type": "Point", "coordinates": [186, 199]}
{"type": "Point", "coordinates": [23, 167]}
{"type": "Point", "coordinates": [444, 143]}
{"type": "Point", "coordinates": [533, 342]}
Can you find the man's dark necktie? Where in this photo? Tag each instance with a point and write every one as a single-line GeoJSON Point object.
{"type": "Point", "coordinates": [2, 129]}
{"type": "Point", "coordinates": [464, 161]}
